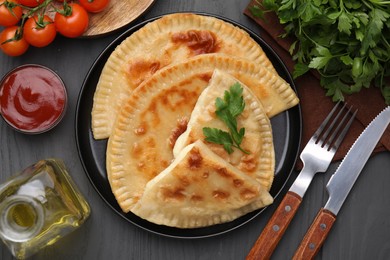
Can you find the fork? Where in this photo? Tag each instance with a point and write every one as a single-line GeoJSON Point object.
{"type": "Point", "coordinates": [316, 157]}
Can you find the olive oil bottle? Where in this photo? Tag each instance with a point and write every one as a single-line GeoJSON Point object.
{"type": "Point", "coordinates": [39, 206]}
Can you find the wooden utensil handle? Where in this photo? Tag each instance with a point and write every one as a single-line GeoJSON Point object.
{"type": "Point", "coordinates": [316, 235]}
{"type": "Point", "coordinates": [274, 230]}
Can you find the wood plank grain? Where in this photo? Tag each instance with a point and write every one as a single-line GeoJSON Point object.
{"type": "Point", "coordinates": [275, 228]}
{"type": "Point", "coordinates": [316, 235]}
{"type": "Point", "coordinates": [362, 225]}
{"type": "Point", "coordinates": [117, 14]}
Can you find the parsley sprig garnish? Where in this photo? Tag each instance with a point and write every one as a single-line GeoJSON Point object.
{"type": "Point", "coordinates": [227, 110]}
{"type": "Point", "coordinates": [346, 41]}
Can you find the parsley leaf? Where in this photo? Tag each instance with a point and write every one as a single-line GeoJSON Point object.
{"type": "Point", "coordinates": [345, 23]}
{"type": "Point", "coordinates": [300, 69]}
{"type": "Point", "coordinates": [374, 29]}
{"type": "Point", "coordinates": [217, 136]}
{"type": "Point", "coordinates": [227, 110]}
{"type": "Point", "coordinates": [347, 42]}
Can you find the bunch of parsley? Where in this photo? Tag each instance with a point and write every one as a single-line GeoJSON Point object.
{"type": "Point", "coordinates": [346, 41]}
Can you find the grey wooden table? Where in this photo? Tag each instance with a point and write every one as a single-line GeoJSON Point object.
{"type": "Point", "coordinates": [362, 229]}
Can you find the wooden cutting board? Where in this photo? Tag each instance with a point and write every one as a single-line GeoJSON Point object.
{"type": "Point", "coordinates": [118, 14]}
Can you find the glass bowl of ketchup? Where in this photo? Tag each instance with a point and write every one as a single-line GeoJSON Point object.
{"type": "Point", "coordinates": [33, 98]}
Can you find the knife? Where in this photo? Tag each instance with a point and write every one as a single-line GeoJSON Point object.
{"type": "Point", "coordinates": [340, 184]}
{"type": "Point", "coordinates": [285, 212]}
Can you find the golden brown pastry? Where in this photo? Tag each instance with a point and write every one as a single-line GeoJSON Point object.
{"type": "Point", "coordinates": [168, 40]}
{"type": "Point", "coordinates": [157, 113]}
{"type": "Point", "coordinates": [259, 161]}
{"type": "Point", "coordinates": [200, 189]}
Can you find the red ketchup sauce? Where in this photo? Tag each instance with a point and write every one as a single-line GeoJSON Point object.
{"type": "Point", "coordinates": [32, 98]}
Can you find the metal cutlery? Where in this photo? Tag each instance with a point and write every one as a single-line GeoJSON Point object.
{"type": "Point", "coordinates": [341, 183]}
{"type": "Point", "coordinates": [316, 157]}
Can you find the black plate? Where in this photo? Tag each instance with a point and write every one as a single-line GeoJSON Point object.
{"type": "Point", "coordinates": [286, 130]}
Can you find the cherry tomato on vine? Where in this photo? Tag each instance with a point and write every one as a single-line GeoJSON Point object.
{"type": "Point", "coordinates": [10, 12]}
{"type": "Point", "coordinates": [94, 6]}
{"type": "Point", "coordinates": [72, 21]}
{"type": "Point", "coordinates": [12, 42]}
{"type": "Point", "coordinates": [31, 3]}
{"type": "Point", "coordinates": [39, 31]}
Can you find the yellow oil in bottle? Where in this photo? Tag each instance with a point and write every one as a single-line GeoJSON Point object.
{"type": "Point", "coordinates": [38, 207]}
{"type": "Point", "coordinates": [23, 215]}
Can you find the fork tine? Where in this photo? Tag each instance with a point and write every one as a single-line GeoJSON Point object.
{"type": "Point", "coordinates": [336, 131]}
{"type": "Point", "coordinates": [338, 141]}
{"type": "Point", "coordinates": [325, 122]}
{"type": "Point", "coordinates": [316, 157]}
{"type": "Point", "coordinates": [330, 127]}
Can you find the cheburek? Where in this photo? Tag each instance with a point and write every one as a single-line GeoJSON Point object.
{"type": "Point", "coordinates": [157, 112]}
{"type": "Point", "coordinates": [172, 38]}
{"type": "Point", "coordinates": [259, 163]}
{"type": "Point", "coordinates": [200, 189]}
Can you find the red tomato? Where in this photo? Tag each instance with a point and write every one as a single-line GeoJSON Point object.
{"type": "Point", "coordinates": [31, 3]}
{"type": "Point", "coordinates": [72, 21]}
{"type": "Point", "coordinates": [94, 6]}
{"type": "Point", "coordinates": [10, 13]}
{"type": "Point", "coordinates": [11, 42]}
{"type": "Point", "coordinates": [39, 31]}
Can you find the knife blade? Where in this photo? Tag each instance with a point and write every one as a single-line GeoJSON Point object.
{"type": "Point", "coordinates": [316, 157]}
{"type": "Point", "coordinates": [341, 183]}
